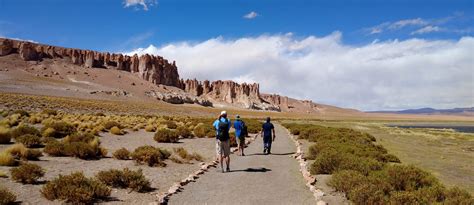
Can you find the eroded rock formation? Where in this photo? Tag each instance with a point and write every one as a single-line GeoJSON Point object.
{"type": "Point", "coordinates": [243, 95]}
{"type": "Point", "coordinates": [155, 69]}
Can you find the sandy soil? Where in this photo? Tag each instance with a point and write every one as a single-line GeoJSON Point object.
{"type": "Point", "coordinates": [161, 177]}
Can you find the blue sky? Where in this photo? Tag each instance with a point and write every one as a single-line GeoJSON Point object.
{"type": "Point", "coordinates": [366, 54]}
{"type": "Point", "coordinates": [109, 25]}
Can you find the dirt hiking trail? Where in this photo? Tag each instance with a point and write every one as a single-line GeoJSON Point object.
{"type": "Point", "coordinates": [254, 178]}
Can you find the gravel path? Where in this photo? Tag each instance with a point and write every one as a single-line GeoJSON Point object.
{"type": "Point", "coordinates": [254, 179]}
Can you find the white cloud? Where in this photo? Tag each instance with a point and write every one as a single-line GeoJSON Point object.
{"type": "Point", "coordinates": [251, 15]}
{"type": "Point", "coordinates": [426, 29]}
{"type": "Point", "coordinates": [380, 75]}
{"type": "Point", "coordinates": [407, 22]}
{"type": "Point", "coordinates": [144, 3]}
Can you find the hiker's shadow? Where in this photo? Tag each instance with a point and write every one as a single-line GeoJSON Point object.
{"type": "Point", "coordinates": [260, 169]}
{"type": "Point", "coordinates": [288, 153]}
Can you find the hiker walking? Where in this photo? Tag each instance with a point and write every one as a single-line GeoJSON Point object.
{"type": "Point", "coordinates": [240, 134]}
{"type": "Point", "coordinates": [222, 126]}
{"type": "Point", "coordinates": [267, 130]}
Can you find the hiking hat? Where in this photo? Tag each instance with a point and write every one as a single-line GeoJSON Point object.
{"type": "Point", "coordinates": [223, 113]}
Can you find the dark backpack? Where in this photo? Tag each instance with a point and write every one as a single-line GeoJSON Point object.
{"type": "Point", "coordinates": [244, 132]}
{"type": "Point", "coordinates": [223, 130]}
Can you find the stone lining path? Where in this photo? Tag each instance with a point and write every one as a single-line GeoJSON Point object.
{"type": "Point", "coordinates": [254, 179]}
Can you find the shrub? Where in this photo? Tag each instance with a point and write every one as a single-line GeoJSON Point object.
{"type": "Point", "coordinates": [346, 180]}
{"type": "Point", "coordinates": [6, 159]}
{"type": "Point", "coordinates": [403, 197]}
{"type": "Point", "coordinates": [23, 130]}
{"type": "Point", "coordinates": [135, 180]}
{"type": "Point", "coordinates": [171, 124]}
{"type": "Point", "coordinates": [49, 112]}
{"type": "Point", "coordinates": [79, 137]}
{"type": "Point", "coordinates": [108, 125]}
{"type": "Point", "coordinates": [6, 197]}
{"type": "Point", "coordinates": [83, 146]}
{"type": "Point", "coordinates": [150, 128]}
{"type": "Point", "coordinates": [184, 132]}
{"type": "Point", "coordinates": [5, 136]}
{"type": "Point", "coordinates": [116, 131]}
{"type": "Point", "coordinates": [253, 125]}
{"type": "Point", "coordinates": [122, 154]}
{"type": "Point", "coordinates": [408, 178]}
{"type": "Point", "coordinates": [16, 150]}
{"type": "Point", "coordinates": [27, 173]}
{"type": "Point", "coordinates": [80, 150]}
{"type": "Point", "coordinates": [3, 174]}
{"type": "Point", "coordinates": [21, 113]}
{"type": "Point", "coordinates": [48, 133]}
{"type": "Point", "coordinates": [201, 130]}
{"type": "Point", "coordinates": [150, 155]}
{"type": "Point", "coordinates": [166, 135]}
{"type": "Point", "coordinates": [75, 188]}
{"type": "Point", "coordinates": [61, 129]}
{"type": "Point", "coordinates": [55, 148]}
{"type": "Point", "coordinates": [31, 154]}
{"type": "Point", "coordinates": [183, 154]}
{"type": "Point", "coordinates": [456, 195]}
{"type": "Point", "coordinates": [367, 193]}
{"type": "Point", "coordinates": [29, 140]}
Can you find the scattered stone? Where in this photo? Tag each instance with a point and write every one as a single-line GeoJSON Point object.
{"type": "Point", "coordinates": [133, 84]}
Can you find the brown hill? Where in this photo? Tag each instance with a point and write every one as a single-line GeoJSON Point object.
{"type": "Point", "coordinates": [50, 70]}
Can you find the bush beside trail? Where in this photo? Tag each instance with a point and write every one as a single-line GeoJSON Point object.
{"type": "Point", "coordinates": [367, 173]}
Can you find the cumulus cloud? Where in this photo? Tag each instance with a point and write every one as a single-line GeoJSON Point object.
{"type": "Point", "coordinates": [144, 3]}
{"type": "Point", "coordinates": [426, 29]}
{"type": "Point", "coordinates": [251, 15]}
{"type": "Point", "coordinates": [381, 75]}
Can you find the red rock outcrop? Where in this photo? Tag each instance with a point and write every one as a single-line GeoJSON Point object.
{"type": "Point", "coordinates": [155, 69]}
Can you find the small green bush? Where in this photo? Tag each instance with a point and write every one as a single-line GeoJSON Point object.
{"type": "Point", "coordinates": [409, 178]}
{"type": "Point", "coordinates": [6, 159]}
{"type": "Point", "coordinates": [108, 125]}
{"type": "Point", "coordinates": [150, 128]}
{"type": "Point", "coordinates": [21, 113]}
{"type": "Point", "coordinates": [27, 173]}
{"type": "Point", "coordinates": [166, 135]}
{"type": "Point", "coordinates": [184, 154]}
{"type": "Point", "coordinates": [31, 154]}
{"type": "Point", "coordinates": [6, 196]}
{"type": "Point", "coordinates": [23, 130]}
{"type": "Point", "coordinates": [29, 140]}
{"type": "Point", "coordinates": [5, 136]}
{"type": "Point", "coordinates": [55, 148]}
{"type": "Point", "coordinates": [201, 130]}
{"type": "Point", "coordinates": [184, 132]}
{"type": "Point", "coordinates": [126, 178]}
{"type": "Point", "coordinates": [150, 155]}
{"type": "Point", "coordinates": [346, 180]}
{"type": "Point", "coordinates": [456, 195]}
{"type": "Point", "coordinates": [122, 154]}
{"type": "Point", "coordinates": [75, 188]}
{"type": "Point", "coordinates": [79, 137]}
{"type": "Point", "coordinates": [49, 112]}
{"type": "Point", "coordinates": [116, 131]}
{"type": "Point", "coordinates": [171, 124]}
{"type": "Point", "coordinates": [61, 129]}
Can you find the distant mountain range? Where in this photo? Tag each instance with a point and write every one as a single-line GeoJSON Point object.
{"type": "Point", "coordinates": [431, 111]}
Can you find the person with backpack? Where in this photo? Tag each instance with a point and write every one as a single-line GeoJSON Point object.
{"type": "Point", "coordinates": [267, 130]}
{"type": "Point", "coordinates": [222, 126]}
{"type": "Point", "coordinates": [240, 134]}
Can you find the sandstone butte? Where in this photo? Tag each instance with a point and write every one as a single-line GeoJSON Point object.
{"type": "Point", "coordinates": [154, 69]}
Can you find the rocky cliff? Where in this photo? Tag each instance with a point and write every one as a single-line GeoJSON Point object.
{"type": "Point", "coordinates": [155, 69]}
{"type": "Point", "coordinates": [243, 95]}
{"type": "Point", "coordinates": [151, 68]}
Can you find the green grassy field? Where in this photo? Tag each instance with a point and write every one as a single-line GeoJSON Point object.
{"type": "Point", "coordinates": [444, 152]}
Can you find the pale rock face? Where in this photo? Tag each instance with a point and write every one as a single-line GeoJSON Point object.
{"type": "Point", "coordinates": [278, 100]}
